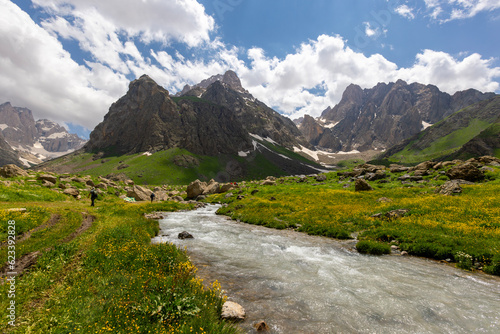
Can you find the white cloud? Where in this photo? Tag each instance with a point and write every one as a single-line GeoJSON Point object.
{"type": "Point", "coordinates": [451, 74]}
{"type": "Point", "coordinates": [369, 31]}
{"type": "Point", "coordinates": [448, 10]}
{"type": "Point", "coordinates": [405, 12]}
{"type": "Point", "coordinates": [36, 72]}
{"type": "Point", "coordinates": [157, 20]}
{"type": "Point", "coordinates": [329, 62]}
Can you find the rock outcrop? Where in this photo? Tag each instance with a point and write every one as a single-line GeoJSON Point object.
{"type": "Point", "coordinates": [256, 117]}
{"type": "Point", "coordinates": [12, 170]}
{"type": "Point", "coordinates": [147, 119]}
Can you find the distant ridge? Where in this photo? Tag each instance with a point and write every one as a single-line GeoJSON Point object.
{"type": "Point", "coordinates": [35, 141]}
{"type": "Point", "coordinates": [383, 116]}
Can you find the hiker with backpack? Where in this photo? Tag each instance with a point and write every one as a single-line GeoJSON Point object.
{"type": "Point", "coordinates": [93, 196]}
{"type": "Point", "coordinates": [152, 196]}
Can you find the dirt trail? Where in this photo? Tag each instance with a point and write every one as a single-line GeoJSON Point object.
{"type": "Point", "coordinates": [27, 260]}
{"type": "Point", "coordinates": [54, 219]}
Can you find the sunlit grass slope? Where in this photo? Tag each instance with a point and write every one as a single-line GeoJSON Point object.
{"type": "Point", "coordinates": [109, 279]}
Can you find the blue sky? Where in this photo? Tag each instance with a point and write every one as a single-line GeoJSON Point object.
{"type": "Point", "coordinates": [68, 60]}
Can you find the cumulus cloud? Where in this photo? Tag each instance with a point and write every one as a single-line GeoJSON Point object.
{"type": "Point", "coordinates": [405, 11]}
{"type": "Point", "coordinates": [451, 74]}
{"type": "Point", "coordinates": [448, 10]}
{"type": "Point", "coordinates": [157, 20]}
{"type": "Point", "coordinates": [289, 84]}
{"type": "Point", "coordinates": [36, 72]}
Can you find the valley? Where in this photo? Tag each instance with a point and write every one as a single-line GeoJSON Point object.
{"type": "Point", "coordinates": [388, 177]}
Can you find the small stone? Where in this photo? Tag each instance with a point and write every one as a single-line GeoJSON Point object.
{"type": "Point", "coordinates": [261, 326]}
{"type": "Point", "coordinates": [185, 235]}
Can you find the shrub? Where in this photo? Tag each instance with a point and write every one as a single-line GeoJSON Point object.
{"type": "Point", "coordinates": [494, 267]}
{"type": "Point", "coordinates": [464, 260]}
{"type": "Point", "coordinates": [372, 247]}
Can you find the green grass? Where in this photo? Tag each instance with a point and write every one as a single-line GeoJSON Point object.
{"type": "Point", "coordinates": [443, 146]}
{"type": "Point", "coordinates": [158, 168]}
{"type": "Point", "coordinates": [108, 279]}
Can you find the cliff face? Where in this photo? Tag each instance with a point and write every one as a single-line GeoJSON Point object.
{"type": "Point", "coordinates": [7, 154]}
{"type": "Point", "coordinates": [147, 119]}
{"type": "Point", "coordinates": [387, 114]}
{"type": "Point", "coordinates": [256, 117]}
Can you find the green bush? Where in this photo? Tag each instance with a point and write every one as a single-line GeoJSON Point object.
{"type": "Point", "coordinates": [494, 267]}
{"type": "Point", "coordinates": [464, 260]}
{"type": "Point", "coordinates": [372, 247]}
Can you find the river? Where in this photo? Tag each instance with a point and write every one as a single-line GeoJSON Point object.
{"type": "Point", "coordinates": [306, 284]}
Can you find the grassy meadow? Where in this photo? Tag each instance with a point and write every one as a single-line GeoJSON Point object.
{"type": "Point", "coordinates": [108, 279]}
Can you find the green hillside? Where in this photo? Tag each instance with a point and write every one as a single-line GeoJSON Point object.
{"type": "Point", "coordinates": [447, 138]}
{"type": "Point", "coordinates": [178, 166]}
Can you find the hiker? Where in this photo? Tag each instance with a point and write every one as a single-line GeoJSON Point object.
{"type": "Point", "coordinates": [152, 196]}
{"type": "Point", "coordinates": [93, 196]}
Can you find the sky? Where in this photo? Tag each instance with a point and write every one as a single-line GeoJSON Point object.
{"type": "Point", "coordinates": [69, 60]}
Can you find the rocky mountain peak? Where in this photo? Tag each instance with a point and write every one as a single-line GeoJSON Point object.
{"type": "Point", "coordinates": [143, 87]}
{"type": "Point", "coordinates": [147, 119]}
{"type": "Point", "coordinates": [230, 78]}
{"type": "Point", "coordinates": [382, 116]}
{"type": "Point", "coordinates": [353, 93]}
{"type": "Point", "coordinates": [35, 141]}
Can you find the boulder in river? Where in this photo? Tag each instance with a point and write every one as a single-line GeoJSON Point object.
{"type": "Point", "coordinates": [233, 311]}
{"type": "Point", "coordinates": [261, 326]}
{"type": "Point", "coordinates": [185, 235]}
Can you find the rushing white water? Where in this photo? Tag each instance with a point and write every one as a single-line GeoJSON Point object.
{"type": "Point", "coordinates": [304, 284]}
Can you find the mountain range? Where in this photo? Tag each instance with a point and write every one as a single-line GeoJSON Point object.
{"type": "Point", "coordinates": [383, 116]}
{"type": "Point", "coordinates": [217, 129]}
{"type": "Point", "coordinates": [30, 142]}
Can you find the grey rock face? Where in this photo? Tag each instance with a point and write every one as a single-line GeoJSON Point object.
{"type": "Point", "coordinates": [20, 131]}
{"type": "Point", "coordinates": [387, 114]}
{"type": "Point", "coordinates": [147, 119]}
{"type": "Point", "coordinates": [255, 116]}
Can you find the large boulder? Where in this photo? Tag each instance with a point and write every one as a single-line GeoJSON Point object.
{"type": "Point", "coordinates": [196, 188]}
{"type": "Point", "coordinates": [233, 311]}
{"type": "Point", "coordinates": [362, 185]}
{"type": "Point", "coordinates": [450, 188]}
{"type": "Point", "coordinates": [47, 177]}
{"type": "Point", "coordinates": [211, 188]}
{"type": "Point", "coordinates": [72, 192]}
{"type": "Point", "coordinates": [139, 193]}
{"type": "Point", "coordinates": [12, 171]}
{"type": "Point", "coordinates": [226, 187]}
{"type": "Point", "coordinates": [268, 183]}
{"type": "Point", "coordinates": [466, 172]}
